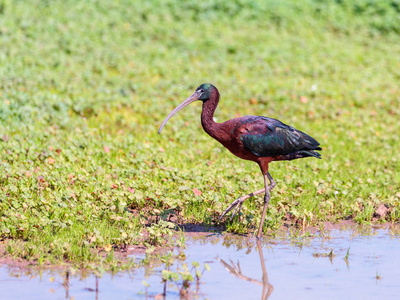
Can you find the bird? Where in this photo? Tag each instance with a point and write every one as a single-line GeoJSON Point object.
{"type": "Point", "coordinates": [255, 138]}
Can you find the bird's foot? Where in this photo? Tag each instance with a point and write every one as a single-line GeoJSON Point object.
{"type": "Point", "coordinates": [234, 205]}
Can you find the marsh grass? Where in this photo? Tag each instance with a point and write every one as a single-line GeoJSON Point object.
{"type": "Point", "coordinates": [85, 85]}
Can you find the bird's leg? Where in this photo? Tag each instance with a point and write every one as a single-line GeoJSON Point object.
{"type": "Point", "coordinates": [239, 201]}
{"type": "Point", "coordinates": [271, 181]}
{"type": "Point", "coordinates": [266, 201]}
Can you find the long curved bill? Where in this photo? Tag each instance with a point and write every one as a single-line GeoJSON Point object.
{"type": "Point", "coordinates": [189, 100]}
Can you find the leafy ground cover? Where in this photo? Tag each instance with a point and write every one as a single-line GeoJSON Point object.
{"type": "Point", "coordinates": [85, 84]}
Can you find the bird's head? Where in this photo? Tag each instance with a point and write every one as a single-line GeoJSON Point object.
{"type": "Point", "coordinates": [202, 93]}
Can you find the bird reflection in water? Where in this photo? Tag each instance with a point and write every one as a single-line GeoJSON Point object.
{"type": "Point", "coordinates": [237, 272]}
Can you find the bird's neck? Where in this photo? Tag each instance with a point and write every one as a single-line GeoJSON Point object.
{"type": "Point", "coordinates": [207, 115]}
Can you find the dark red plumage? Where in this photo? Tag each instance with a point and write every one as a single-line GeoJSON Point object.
{"type": "Point", "coordinates": [259, 139]}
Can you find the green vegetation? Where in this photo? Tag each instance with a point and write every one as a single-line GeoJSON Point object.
{"type": "Point", "coordinates": [85, 84]}
{"type": "Point", "coordinates": [182, 276]}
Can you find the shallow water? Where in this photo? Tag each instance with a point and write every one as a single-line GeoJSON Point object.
{"type": "Point", "coordinates": [286, 268]}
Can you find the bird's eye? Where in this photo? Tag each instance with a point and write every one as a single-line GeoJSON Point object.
{"type": "Point", "coordinates": [201, 91]}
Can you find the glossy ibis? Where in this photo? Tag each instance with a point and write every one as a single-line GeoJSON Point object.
{"type": "Point", "coordinates": [259, 139]}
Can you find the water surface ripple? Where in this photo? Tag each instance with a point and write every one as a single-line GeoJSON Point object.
{"type": "Point", "coordinates": [302, 267]}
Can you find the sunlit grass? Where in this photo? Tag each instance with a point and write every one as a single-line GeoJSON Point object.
{"type": "Point", "coordinates": [84, 87]}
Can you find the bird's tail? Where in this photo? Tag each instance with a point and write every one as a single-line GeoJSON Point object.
{"type": "Point", "coordinates": [311, 153]}
{"type": "Point", "coordinates": [300, 154]}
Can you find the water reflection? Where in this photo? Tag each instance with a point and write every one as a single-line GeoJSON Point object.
{"type": "Point", "coordinates": [318, 265]}
{"type": "Point", "coordinates": [66, 285]}
{"type": "Point", "coordinates": [237, 272]}
{"type": "Point", "coordinates": [96, 289]}
{"type": "Point", "coordinates": [56, 283]}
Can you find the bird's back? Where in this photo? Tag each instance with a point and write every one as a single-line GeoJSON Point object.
{"type": "Point", "coordinates": [267, 137]}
